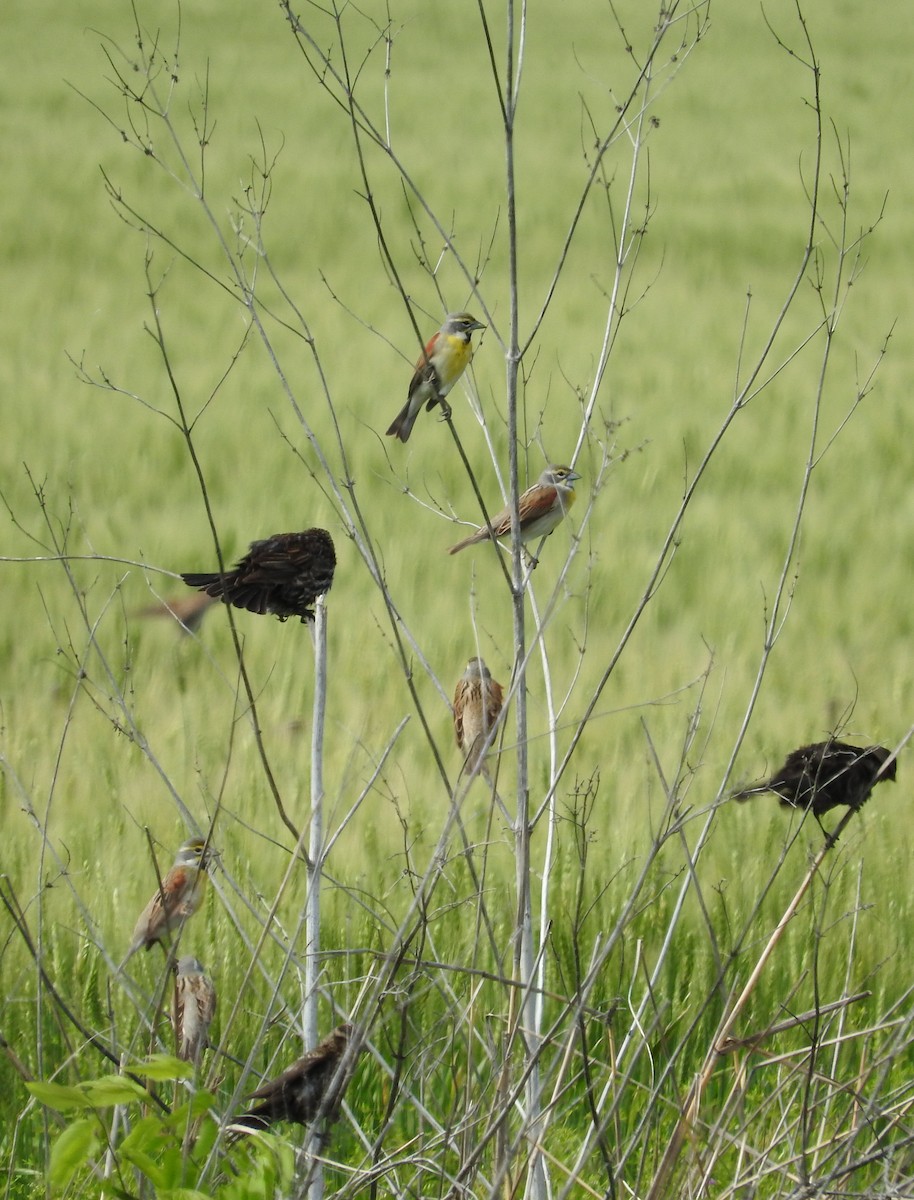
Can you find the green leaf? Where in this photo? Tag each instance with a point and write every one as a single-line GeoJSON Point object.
{"type": "Point", "coordinates": [201, 1104]}
{"type": "Point", "coordinates": [113, 1089]}
{"type": "Point", "coordinates": [145, 1146]}
{"type": "Point", "coordinates": [199, 1112]}
{"type": "Point", "coordinates": [182, 1194]}
{"type": "Point", "coordinates": [264, 1167]}
{"type": "Point", "coordinates": [174, 1169]}
{"type": "Point", "coordinates": [163, 1066]}
{"type": "Point", "coordinates": [207, 1132]}
{"type": "Point", "coordinates": [72, 1150]}
{"type": "Point", "coordinates": [149, 1164]}
{"type": "Point", "coordinates": [145, 1137]}
{"type": "Point", "coordinates": [55, 1095]}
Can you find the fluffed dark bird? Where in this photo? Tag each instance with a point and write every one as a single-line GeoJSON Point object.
{"type": "Point", "coordinates": [283, 575]}
{"type": "Point", "coordinates": [298, 1094]}
{"type": "Point", "coordinates": [825, 775]}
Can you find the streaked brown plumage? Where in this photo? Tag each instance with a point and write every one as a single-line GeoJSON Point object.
{"type": "Point", "coordinates": [188, 611]}
{"type": "Point", "coordinates": [299, 1093]}
{"type": "Point", "coordinates": [824, 775]}
{"type": "Point", "coordinates": [283, 575]}
{"type": "Point", "coordinates": [478, 701]}
{"type": "Point", "coordinates": [193, 1008]}
{"type": "Point", "coordinates": [178, 899]}
{"type": "Point", "coordinates": [540, 509]}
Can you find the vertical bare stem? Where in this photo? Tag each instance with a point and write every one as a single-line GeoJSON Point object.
{"type": "Point", "coordinates": [315, 863]}
{"type": "Point", "coordinates": [523, 932]}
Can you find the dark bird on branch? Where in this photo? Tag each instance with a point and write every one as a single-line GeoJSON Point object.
{"type": "Point", "coordinates": [300, 1092]}
{"type": "Point", "coordinates": [283, 575]}
{"type": "Point", "coordinates": [825, 775]}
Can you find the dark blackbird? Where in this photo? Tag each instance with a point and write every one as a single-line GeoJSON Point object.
{"type": "Point", "coordinates": [826, 775]}
{"type": "Point", "coordinates": [299, 1092]}
{"type": "Point", "coordinates": [283, 574]}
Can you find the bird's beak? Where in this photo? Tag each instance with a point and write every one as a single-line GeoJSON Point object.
{"type": "Point", "coordinates": [477, 325]}
{"type": "Point", "coordinates": [572, 477]}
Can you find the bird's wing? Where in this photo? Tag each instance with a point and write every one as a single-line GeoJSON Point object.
{"type": "Point", "coordinates": [178, 1002]}
{"type": "Point", "coordinates": [501, 524]}
{"type": "Point", "coordinates": [536, 503]}
{"type": "Point", "coordinates": [208, 1002]}
{"type": "Point", "coordinates": [268, 1090]}
{"type": "Point", "coordinates": [459, 705]}
{"type": "Point", "coordinates": [424, 371]}
{"type": "Point", "coordinates": [495, 699]}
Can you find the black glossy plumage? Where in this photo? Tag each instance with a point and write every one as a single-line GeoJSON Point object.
{"type": "Point", "coordinates": [298, 1094]}
{"type": "Point", "coordinates": [283, 575]}
{"type": "Point", "coordinates": [825, 775]}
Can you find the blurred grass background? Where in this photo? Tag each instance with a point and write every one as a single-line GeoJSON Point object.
{"type": "Point", "coordinates": [729, 215]}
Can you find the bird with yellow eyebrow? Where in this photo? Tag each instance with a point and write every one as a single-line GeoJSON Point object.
{"type": "Point", "coordinates": [446, 356]}
{"type": "Point", "coordinates": [180, 895]}
{"type": "Point", "coordinates": [540, 509]}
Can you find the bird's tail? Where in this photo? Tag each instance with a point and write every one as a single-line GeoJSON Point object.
{"type": "Point", "coordinates": [479, 536]}
{"type": "Point", "coordinates": [402, 425]}
{"type": "Point", "coordinates": [201, 579]}
{"type": "Point", "coordinates": [249, 1122]}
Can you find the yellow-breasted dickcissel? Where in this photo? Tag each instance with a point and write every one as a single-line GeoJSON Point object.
{"type": "Point", "coordinates": [179, 897]}
{"type": "Point", "coordinates": [478, 702]}
{"type": "Point", "coordinates": [540, 508]}
{"type": "Point", "coordinates": [193, 1008]}
{"type": "Point", "coordinates": [446, 356]}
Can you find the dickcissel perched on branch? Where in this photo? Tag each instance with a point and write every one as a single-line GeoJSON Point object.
{"type": "Point", "coordinates": [283, 575]}
{"type": "Point", "coordinates": [540, 508]}
{"type": "Point", "coordinates": [193, 1008]}
{"type": "Point", "coordinates": [445, 358]}
{"type": "Point", "coordinates": [824, 775]}
{"type": "Point", "coordinates": [478, 701]}
{"type": "Point", "coordinates": [179, 897]}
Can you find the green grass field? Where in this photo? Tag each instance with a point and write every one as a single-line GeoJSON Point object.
{"type": "Point", "coordinates": [110, 724]}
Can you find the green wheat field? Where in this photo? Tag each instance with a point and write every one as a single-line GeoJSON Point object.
{"type": "Point", "coordinates": [119, 734]}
